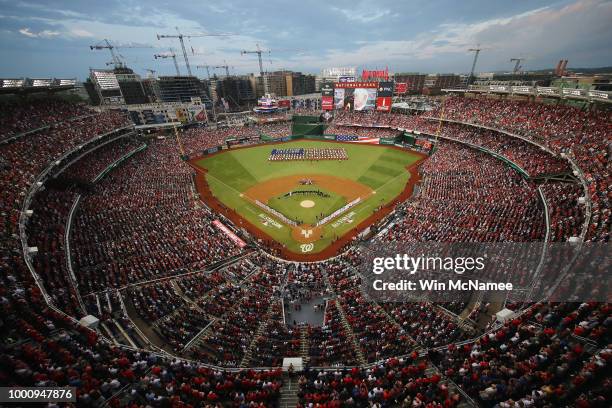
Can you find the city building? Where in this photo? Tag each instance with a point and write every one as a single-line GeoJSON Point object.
{"type": "Point", "coordinates": [180, 88]}
{"type": "Point", "coordinates": [300, 84]}
{"type": "Point", "coordinates": [131, 86]}
{"type": "Point", "coordinates": [236, 90]}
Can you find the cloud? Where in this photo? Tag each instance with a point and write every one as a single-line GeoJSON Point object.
{"type": "Point", "coordinates": [428, 36]}
{"type": "Point", "coordinates": [546, 33]}
{"type": "Point", "coordinates": [81, 33]}
{"type": "Point", "coordinates": [362, 16]}
{"type": "Point", "coordinates": [40, 34]}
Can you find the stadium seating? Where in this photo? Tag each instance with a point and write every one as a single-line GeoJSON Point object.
{"type": "Point", "coordinates": [22, 116]}
{"type": "Point", "coordinates": [146, 257]}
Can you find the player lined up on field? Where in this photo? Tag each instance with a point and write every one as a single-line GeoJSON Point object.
{"type": "Point", "coordinates": [308, 154]}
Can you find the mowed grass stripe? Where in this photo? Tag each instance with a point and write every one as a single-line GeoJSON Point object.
{"type": "Point", "coordinates": [233, 172]}
{"type": "Point", "coordinates": [382, 169]}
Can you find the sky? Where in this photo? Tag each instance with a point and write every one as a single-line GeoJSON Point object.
{"type": "Point", "coordinates": [52, 38]}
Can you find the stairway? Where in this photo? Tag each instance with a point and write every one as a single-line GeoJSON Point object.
{"type": "Point", "coordinates": [261, 330]}
{"type": "Point", "coordinates": [466, 401]}
{"type": "Point", "coordinates": [288, 392]}
{"type": "Point", "coordinates": [304, 346]}
{"type": "Point", "coordinates": [349, 331]}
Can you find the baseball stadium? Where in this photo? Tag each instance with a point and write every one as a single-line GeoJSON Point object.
{"type": "Point", "coordinates": [193, 225]}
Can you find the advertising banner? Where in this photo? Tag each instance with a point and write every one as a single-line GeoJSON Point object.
{"type": "Point", "coordinates": [401, 87]}
{"type": "Point", "coordinates": [327, 96]}
{"type": "Point", "coordinates": [383, 100]}
{"type": "Point", "coordinates": [327, 89]}
{"type": "Point", "coordinates": [383, 103]}
{"type": "Point", "coordinates": [375, 74]}
{"type": "Point", "coordinates": [385, 88]}
{"type": "Point", "coordinates": [230, 234]}
{"type": "Point", "coordinates": [353, 85]}
{"type": "Point", "coordinates": [327, 103]}
{"type": "Point", "coordinates": [201, 116]}
{"type": "Point", "coordinates": [339, 98]}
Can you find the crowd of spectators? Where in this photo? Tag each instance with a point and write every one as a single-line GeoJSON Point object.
{"type": "Point", "coordinates": [361, 131]}
{"type": "Point", "coordinates": [275, 130]}
{"type": "Point", "coordinates": [398, 382]}
{"type": "Point", "coordinates": [143, 222]}
{"type": "Point", "coordinates": [566, 214]}
{"type": "Point", "coordinates": [94, 163]}
{"type": "Point", "coordinates": [469, 196]}
{"type": "Point", "coordinates": [197, 140]}
{"type": "Point", "coordinates": [535, 360]}
{"type": "Point", "coordinates": [23, 159]}
{"type": "Point", "coordinates": [22, 116]}
{"type": "Point", "coordinates": [532, 159]}
{"type": "Point", "coordinates": [583, 135]}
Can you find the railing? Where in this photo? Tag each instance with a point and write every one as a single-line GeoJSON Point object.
{"type": "Point", "coordinates": [34, 131]}
{"type": "Point", "coordinates": [577, 171]}
{"type": "Point", "coordinates": [27, 201]}
{"type": "Point", "coordinates": [67, 234]}
{"type": "Point", "coordinates": [517, 136]}
{"type": "Point", "coordinates": [555, 92]}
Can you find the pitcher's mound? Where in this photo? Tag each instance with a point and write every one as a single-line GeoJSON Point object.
{"type": "Point", "coordinates": [307, 204]}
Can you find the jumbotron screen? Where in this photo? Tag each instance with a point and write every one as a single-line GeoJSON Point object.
{"type": "Point", "coordinates": [357, 96]}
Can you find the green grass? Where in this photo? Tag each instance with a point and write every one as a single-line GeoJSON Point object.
{"type": "Point", "coordinates": [380, 168]}
{"type": "Point", "coordinates": [291, 208]}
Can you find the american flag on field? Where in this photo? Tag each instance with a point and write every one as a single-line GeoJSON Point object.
{"type": "Point", "coordinates": [358, 139]}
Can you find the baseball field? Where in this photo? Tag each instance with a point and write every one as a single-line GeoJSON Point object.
{"type": "Point", "coordinates": [306, 206]}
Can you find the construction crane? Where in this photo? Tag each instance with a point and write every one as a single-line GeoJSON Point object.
{"type": "Point", "coordinates": [207, 67]}
{"type": "Point", "coordinates": [181, 36]}
{"type": "Point", "coordinates": [476, 52]}
{"type": "Point", "coordinates": [172, 55]}
{"type": "Point", "coordinates": [115, 58]}
{"type": "Point", "coordinates": [226, 67]}
{"type": "Point", "coordinates": [517, 66]}
{"type": "Point", "coordinates": [259, 51]}
{"type": "Point", "coordinates": [105, 44]}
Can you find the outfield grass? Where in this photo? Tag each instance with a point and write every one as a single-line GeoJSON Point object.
{"type": "Point", "coordinates": [380, 168]}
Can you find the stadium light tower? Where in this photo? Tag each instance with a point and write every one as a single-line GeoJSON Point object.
{"type": "Point", "coordinates": [476, 52]}
{"type": "Point", "coordinates": [182, 36]}
{"type": "Point", "coordinates": [259, 51]}
{"type": "Point", "coordinates": [172, 55]}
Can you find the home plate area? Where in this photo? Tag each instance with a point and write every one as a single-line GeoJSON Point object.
{"type": "Point", "coordinates": [306, 233]}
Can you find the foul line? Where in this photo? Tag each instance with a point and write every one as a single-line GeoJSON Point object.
{"type": "Point", "coordinates": [356, 208]}
{"type": "Point", "coordinates": [251, 201]}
